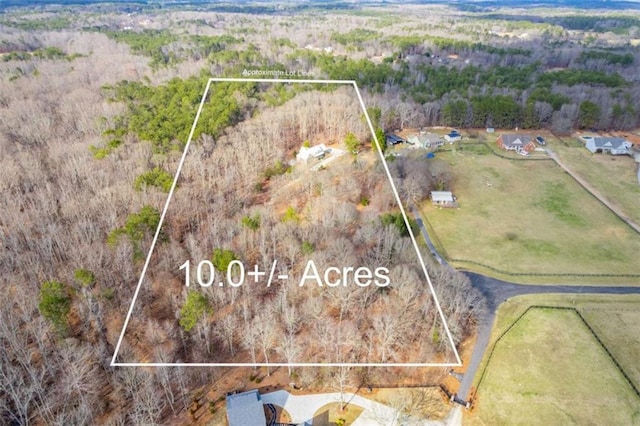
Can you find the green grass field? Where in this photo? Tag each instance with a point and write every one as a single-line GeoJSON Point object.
{"type": "Point", "coordinates": [549, 369]}
{"type": "Point", "coordinates": [614, 176]}
{"type": "Point", "coordinates": [529, 217]}
{"type": "Point", "coordinates": [619, 330]}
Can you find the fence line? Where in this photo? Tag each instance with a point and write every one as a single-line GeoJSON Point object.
{"type": "Point", "coordinates": [494, 152]}
{"type": "Point", "coordinates": [584, 321]}
{"type": "Point", "coordinates": [624, 374]}
{"type": "Point", "coordinates": [542, 274]}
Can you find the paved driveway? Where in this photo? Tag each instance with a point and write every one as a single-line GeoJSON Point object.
{"type": "Point", "coordinates": [301, 408]}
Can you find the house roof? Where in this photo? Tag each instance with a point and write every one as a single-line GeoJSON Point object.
{"type": "Point", "coordinates": [314, 151]}
{"type": "Point", "coordinates": [608, 142]}
{"type": "Point", "coordinates": [245, 409]}
{"type": "Point", "coordinates": [442, 197]}
{"type": "Point", "coordinates": [515, 140]}
{"type": "Point", "coordinates": [452, 137]}
{"type": "Point", "coordinates": [424, 138]}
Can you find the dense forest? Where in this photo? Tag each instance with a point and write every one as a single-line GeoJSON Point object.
{"type": "Point", "coordinates": [97, 105]}
{"type": "Point", "coordinates": [543, 72]}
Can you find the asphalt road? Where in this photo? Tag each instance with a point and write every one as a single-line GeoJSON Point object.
{"type": "Point", "coordinates": [426, 237]}
{"type": "Point", "coordinates": [497, 291]}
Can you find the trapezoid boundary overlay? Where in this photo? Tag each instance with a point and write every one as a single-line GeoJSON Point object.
{"type": "Point", "coordinates": [293, 246]}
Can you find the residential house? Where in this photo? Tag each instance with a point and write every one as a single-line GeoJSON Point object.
{"type": "Point", "coordinates": [516, 142]}
{"type": "Point", "coordinates": [425, 140]}
{"type": "Point", "coordinates": [453, 136]}
{"type": "Point", "coordinates": [245, 409]}
{"type": "Point", "coordinates": [311, 153]}
{"type": "Point", "coordinates": [614, 146]}
{"type": "Point", "coordinates": [443, 199]}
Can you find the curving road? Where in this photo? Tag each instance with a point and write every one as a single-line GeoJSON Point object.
{"type": "Point", "coordinates": [426, 237]}
{"type": "Point", "coordinates": [497, 291]}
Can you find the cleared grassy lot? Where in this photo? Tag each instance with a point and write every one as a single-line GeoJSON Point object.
{"type": "Point", "coordinates": [549, 369]}
{"type": "Point", "coordinates": [529, 217]}
{"type": "Point", "coordinates": [619, 330]}
{"type": "Point", "coordinates": [614, 176]}
{"type": "Point", "coordinates": [614, 318]}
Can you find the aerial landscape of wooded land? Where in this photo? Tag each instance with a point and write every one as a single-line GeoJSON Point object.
{"type": "Point", "coordinates": [441, 202]}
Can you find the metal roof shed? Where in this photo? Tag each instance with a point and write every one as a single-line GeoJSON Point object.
{"type": "Point", "coordinates": [442, 197]}
{"type": "Point", "coordinates": [393, 139]}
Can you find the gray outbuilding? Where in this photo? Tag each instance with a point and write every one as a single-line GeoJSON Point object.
{"type": "Point", "coordinates": [443, 199]}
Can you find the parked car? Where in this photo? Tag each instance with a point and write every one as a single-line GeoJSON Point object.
{"type": "Point", "coordinates": [540, 140]}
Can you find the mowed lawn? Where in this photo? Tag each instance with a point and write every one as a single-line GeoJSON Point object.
{"type": "Point", "coordinates": [614, 176]}
{"type": "Point", "coordinates": [549, 370]}
{"type": "Point", "coordinates": [529, 217]}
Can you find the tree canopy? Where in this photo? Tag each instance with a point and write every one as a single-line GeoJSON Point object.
{"type": "Point", "coordinates": [55, 304]}
{"type": "Point", "coordinates": [194, 308]}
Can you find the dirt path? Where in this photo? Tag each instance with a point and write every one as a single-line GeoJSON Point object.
{"type": "Point", "coordinates": [613, 207]}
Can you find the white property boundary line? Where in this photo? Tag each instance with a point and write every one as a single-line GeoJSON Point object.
{"type": "Point", "coordinates": [114, 363]}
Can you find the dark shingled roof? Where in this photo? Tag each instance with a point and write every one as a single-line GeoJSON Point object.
{"type": "Point", "coordinates": [515, 140]}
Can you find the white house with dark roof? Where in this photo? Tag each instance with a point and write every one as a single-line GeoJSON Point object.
{"type": "Point", "coordinates": [612, 145]}
{"type": "Point", "coordinates": [245, 409]}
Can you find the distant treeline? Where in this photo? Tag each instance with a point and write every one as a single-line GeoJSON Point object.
{"type": "Point", "coordinates": [527, 94]}
{"type": "Point", "coordinates": [616, 24]}
{"type": "Point", "coordinates": [470, 96]}
{"type": "Point", "coordinates": [6, 4]}
{"type": "Point", "coordinates": [488, 5]}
